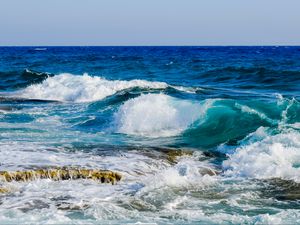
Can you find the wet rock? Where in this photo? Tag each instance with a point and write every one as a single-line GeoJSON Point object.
{"type": "Point", "coordinates": [104, 176]}
{"type": "Point", "coordinates": [6, 108]}
{"type": "Point", "coordinates": [3, 190]}
{"type": "Point", "coordinates": [71, 206]}
{"type": "Point", "coordinates": [173, 155]}
{"type": "Point", "coordinates": [34, 204]}
{"type": "Point", "coordinates": [208, 171]}
{"type": "Point", "coordinates": [284, 190]}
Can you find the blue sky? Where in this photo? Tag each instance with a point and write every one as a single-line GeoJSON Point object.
{"type": "Point", "coordinates": [149, 22]}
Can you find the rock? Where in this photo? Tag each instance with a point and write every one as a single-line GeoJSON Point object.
{"type": "Point", "coordinates": [104, 176]}
{"type": "Point", "coordinates": [173, 155]}
{"type": "Point", "coordinates": [5, 108]}
{"type": "Point", "coordinates": [284, 190]}
{"type": "Point", "coordinates": [208, 171]}
{"type": "Point", "coordinates": [3, 190]}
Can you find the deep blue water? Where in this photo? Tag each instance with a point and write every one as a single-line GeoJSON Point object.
{"type": "Point", "coordinates": [121, 108]}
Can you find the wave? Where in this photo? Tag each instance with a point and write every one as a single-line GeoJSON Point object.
{"type": "Point", "coordinates": [40, 49]}
{"type": "Point", "coordinates": [67, 87]}
{"type": "Point", "coordinates": [205, 123]}
{"type": "Point", "coordinates": [19, 79]}
{"type": "Point", "coordinates": [156, 115]}
{"type": "Point", "coordinates": [194, 123]}
{"type": "Point", "coordinates": [33, 74]}
{"type": "Point", "coordinates": [71, 88]}
{"type": "Point", "coordinates": [263, 116]}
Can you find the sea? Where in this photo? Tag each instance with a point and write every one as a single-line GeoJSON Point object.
{"type": "Point", "coordinates": [200, 135]}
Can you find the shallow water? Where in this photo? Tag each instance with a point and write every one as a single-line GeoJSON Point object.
{"type": "Point", "coordinates": [234, 110]}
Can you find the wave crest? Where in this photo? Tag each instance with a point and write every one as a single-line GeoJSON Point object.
{"type": "Point", "coordinates": [155, 115]}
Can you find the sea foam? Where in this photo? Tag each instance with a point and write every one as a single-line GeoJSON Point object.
{"type": "Point", "coordinates": [156, 115]}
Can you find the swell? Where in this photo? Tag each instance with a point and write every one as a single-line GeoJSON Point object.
{"type": "Point", "coordinates": [229, 121]}
{"type": "Point", "coordinates": [258, 73]}
{"type": "Point", "coordinates": [253, 77]}
{"type": "Point", "coordinates": [151, 112]}
{"type": "Point", "coordinates": [85, 88]}
{"type": "Point", "coordinates": [11, 80]}
{"type": "Point", "coordinates": [152, 109]}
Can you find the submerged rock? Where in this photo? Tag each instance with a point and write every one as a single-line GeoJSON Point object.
{"type": "Point", "coordinates": [173, 155]}
{"type": "Point", "coordinates": [209, 171]}
{"type": "Point", "coordinates": [283, 189]}
{"type": "Point", "coordinates": [3, 190]}
{"type": "Point", "coordinates": [4, 108]}
{"type": "Point", "coordinates": [104, 176]}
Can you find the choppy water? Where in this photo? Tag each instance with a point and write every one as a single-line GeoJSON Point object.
{"type": "Point", "coordinates": [124, 108]}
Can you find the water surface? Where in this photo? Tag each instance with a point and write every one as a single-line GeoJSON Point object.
{"type": "Point", "coordinates": [236, 109]}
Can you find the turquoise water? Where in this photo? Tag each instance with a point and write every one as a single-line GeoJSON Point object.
{"type": "Point", "coordinates": [236, 109]}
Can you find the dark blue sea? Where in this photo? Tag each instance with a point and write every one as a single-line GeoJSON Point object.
{"type": "Point", "coordinates": [200, 135]}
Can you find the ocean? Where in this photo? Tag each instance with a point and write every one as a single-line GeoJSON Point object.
{"type": "Point", "coordinates": [200, 135]}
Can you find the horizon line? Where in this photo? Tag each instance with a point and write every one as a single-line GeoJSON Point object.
{"type": "Point", "coordinates": [267, 45]}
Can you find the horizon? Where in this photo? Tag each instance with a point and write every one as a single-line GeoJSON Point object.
{"type": "Point", "coordinates": [49, 46]}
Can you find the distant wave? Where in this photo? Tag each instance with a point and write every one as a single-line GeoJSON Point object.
{"type": "Point", "coordinates": [40, 49]}
{"type": "Point", "coordinates": [71, 88]}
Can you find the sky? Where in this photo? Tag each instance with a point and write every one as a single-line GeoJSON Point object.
{"type": "Point", "coordinates": [149, 22]}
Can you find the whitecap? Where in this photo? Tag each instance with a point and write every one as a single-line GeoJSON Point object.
{"type": "Point", "coordinates": [156, 115]}
{"type": "Point", "coordinates": [247, 109]}
{"type": "Point", "coordinates": [274, 156]}
{"type": "Point", "coordinates": [72, 88]}
{"type": "Point", "coordinates": [67, 87]}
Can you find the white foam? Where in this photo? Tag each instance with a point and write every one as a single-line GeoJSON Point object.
{"type": "Point", "coordinates": [38, 201]}
{"type": "Point", "coordinates": [72, 88]}
{"type": "Point", "coordinates": [186, 173]}
{"type": "Point", "coordinates": [192, 90]}
{"type": "Point", "coordinates": [156, 115]}
{"type": "Point", "coordinates": [275, 156]}
{"type": "Point", "coordinates": [284, 114]}
{"type": "Point", "coordinates": [286, 216]}
{"type": "Point", "coordinates": [153, 190]}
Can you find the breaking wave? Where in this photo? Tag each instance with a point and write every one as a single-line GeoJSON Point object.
{"type": "Point", "coordinates": [266, 156]}
{"type": "Point", "coordinates": [71, 88]}
{"type": "Point", "coordinates": [156, 115]}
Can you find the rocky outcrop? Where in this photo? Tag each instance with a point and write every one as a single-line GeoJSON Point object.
{"type": "Point", "coordinates": [104, 176]}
